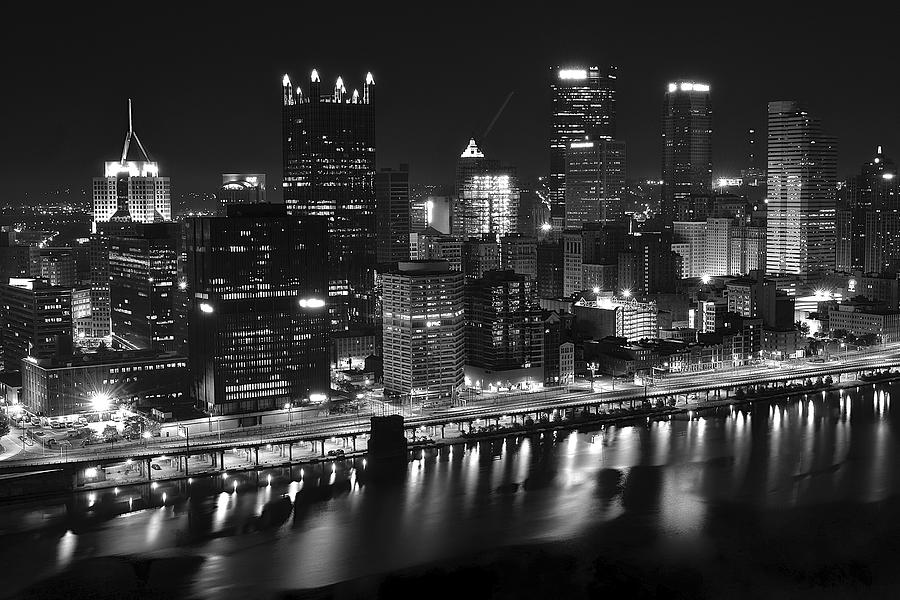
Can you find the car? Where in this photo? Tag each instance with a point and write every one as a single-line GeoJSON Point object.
{"type": "Point", "coordinates": [70, 425]}
{"type": "Point", "coordinates": [56, 425]}
{"type": "Point", "coordinates": [337, 452]}
{"type": "Point", "coordinates": [155, 467]}
{"type": "Point", "coordinates": [39, 433]}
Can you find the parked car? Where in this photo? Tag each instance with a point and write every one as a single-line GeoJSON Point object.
{"type": "Point", "coordinates": [336, 453]}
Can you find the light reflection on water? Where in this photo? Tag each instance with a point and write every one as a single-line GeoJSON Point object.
{"type": "Point", "coordinates": [488, 494]}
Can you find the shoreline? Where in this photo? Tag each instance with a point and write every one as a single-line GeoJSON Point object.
{"type": "Point", "coordinates": [631, 417]}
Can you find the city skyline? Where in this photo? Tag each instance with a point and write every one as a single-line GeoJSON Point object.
{"type": "Point", "coordinates": [195, 138]}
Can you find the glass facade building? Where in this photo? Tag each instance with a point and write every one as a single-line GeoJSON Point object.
{"type": "Point", "coordinates": [258, 319]}
{"type": "Point", "coordinates": [687, 149]}
{"type": "Point", "coordinates": [595, 182]}
{"type": "Point", "coordinates": [488, 194]}
{"type": "Point", "coordinates": [328, 158]}
{"type": "Point", "coordinates": [584, 107]}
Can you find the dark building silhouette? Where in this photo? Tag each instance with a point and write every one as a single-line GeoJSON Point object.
{"type": "Point", "coordinates": [392, 218]}
{"type": "Point", "coordinates": [329, 170]}
{"type": "Point", "coordinates": [687, 147]}
{"type": "Point", "coordinates": [36, 318]}
{"type": "Point", "coordinates": [258, 322]}
{"type": "Point", "coordinates": [241, 188]}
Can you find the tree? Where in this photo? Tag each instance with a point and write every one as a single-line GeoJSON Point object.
{"type": "Point", "coordinates": [802, 327]}
{"type": "Point", "coordinates": [839, 334]}
{"type": "Point", "coordinates": [110, 433]}
{"type": "Point", "coordinates": [4, 426]}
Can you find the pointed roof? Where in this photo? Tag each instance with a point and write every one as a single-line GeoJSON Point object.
{"type": "Point", "coordinates": [472, 150]}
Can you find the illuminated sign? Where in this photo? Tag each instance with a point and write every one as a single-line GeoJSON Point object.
{"type": "Point", "coordinates": [581, 145]}
{"type": "Point", "coordinates": [132, 168]}
{"type": "Point", "coordinates": [688, 86]}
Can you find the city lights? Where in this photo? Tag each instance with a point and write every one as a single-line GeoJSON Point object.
{"type": "Point", "coordinates": [312, 303]}
{"type": "Point", "coordinates": [100, 401]}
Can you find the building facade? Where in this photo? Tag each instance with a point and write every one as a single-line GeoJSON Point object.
{"type": "Point", "coordinates": [328, 160]}
{"type": "Point", "coordinates": [687, 146]}
{"type": "Point", "coordinates": [595, 182]}
{"type": "Point", "coordinates": [36, 320]}
{"type": "Point", "coordinates": [423, 332]}
{"type": "Point", "coordinates": [487, 192]}
{"type": "Point", "coordinates": [802, 183]}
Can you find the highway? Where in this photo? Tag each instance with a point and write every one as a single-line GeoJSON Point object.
{"type": "Point", "coordinates": [494, 407]}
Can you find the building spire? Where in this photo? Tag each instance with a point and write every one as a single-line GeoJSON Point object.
{"type": "Point", "coordinates": [370, 81]}
{"type": "Point", "coordinates": [286, 89]}
{"type": "Point", "coordinates": [131, 134]}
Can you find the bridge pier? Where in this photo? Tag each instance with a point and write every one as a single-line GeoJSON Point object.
{"type": "Point", "coordinates": [323, 446]}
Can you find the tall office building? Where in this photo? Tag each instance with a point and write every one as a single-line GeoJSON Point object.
{"type": "Point", "coordinates": [487, 192]}
{"type": "Point", "coordinates": [328, 156]}
{"type": "Point", "coordinates": [801, 188]}
{"type": "Point", "coordinates": [258, 326]}
{"type": "Point", "coordinates": [518, 253]}
{"type": "Point", "coordinates": [241, 188]}
{"type": "Point", "coordinates": [867, 231]}
{"type": "Point", "coordinates": [595, 182]}
{"type": "Point", "coordinates": [35, 320]}
{"type": "Point", "coordinates": [423, 331]}
{"type": "Point", "coordinates": [392, 215]}
{"type": "Point", "coordinates": [504, 329]}
{"type": "Point", "coordinates": [132, 190]}
{"type": "Point", "coordinates": [56, 266]}
{"type": "Point", "coordinates": [143, 287]}
{"type": "Point", "coordinates": [584, 105]}
{"type": "Point", "coordinates": [687, 146]}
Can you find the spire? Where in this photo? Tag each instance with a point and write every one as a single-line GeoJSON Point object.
{"type": "Point", "coordinates": [339, 89]}
{"type": "Point", "coordinates": [355, 96]}
{"type": "Point", "coordinates": [878, 152]}
{"type": "Point", "coordinates": [287, 96]}
{"type": "Point", "coordinates": [314, 78]}
{"type": "Point", "coordinates": [472, 150]}
{"type": "Point", "coordinates": [131, 134]}
{"type": "Point", "coordinates": [370, 81]}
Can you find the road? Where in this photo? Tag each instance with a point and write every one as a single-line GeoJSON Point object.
{"type": "Point", "coordinates": [493, 407]}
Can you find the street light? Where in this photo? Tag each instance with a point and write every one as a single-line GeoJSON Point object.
{"type": "Point", "coordinates": [287, 407]}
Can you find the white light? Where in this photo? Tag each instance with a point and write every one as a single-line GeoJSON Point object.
{"type": "Point", "coordinates": [369, 79]}
{"type": "Point", "coordinates": [887, 176]}
{"type": "Point", "coordinates": [146, 435]}
{"type": "Point", "coordinates": [318, 398]}
{"type": "Point", "coordinates": [100, 401]}
{"type": "Point", "coordinates": [182, 285]}
{"type": "Point", "coordinates": [339, 84]}
{"type": "Point", "coordinates": [626, 293]}
{"type": "Point", "coordinates": [596, 290]}
{"type": "Point", "coordinates": [90, 472]}
{"type": "Point", "coordinates": [472, 150]}
{"type": "Point", "coordinates": [673, 87]}
{"type": "Point", "coordinates": [581, 145]}
{"type": "Point", "coordinates": [315, 76]}
{"type": "Point", "coordinates": [546, 227]}
{"type": "Point", "coordinates": [572, 74]}
{"type": "Point", "coordinates": [705, 279]}
{"type": "Point", "coordinates": [206, 308]}
{"type": "Point", "coordinates": [286, 81]}
{"type": "Point", "coordinates": [312, 302]}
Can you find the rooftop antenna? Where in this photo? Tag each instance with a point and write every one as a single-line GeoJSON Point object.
{"type": "Point", "coordinates": [128, 137]}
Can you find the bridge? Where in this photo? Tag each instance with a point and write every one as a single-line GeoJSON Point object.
{"type": "Point", "coordinates": [270, 446]}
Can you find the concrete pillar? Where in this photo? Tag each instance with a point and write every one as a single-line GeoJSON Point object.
{"type": "Point", "coordinates": [256, 456]}
{"type": "Point", "coordinates": [290, 451]}
{"type": "Point", "coordinates": [149, 470]}
{"type": "Point", "coordinates": [442, 432]}
{"type": "Point", "coordinates": [354, 443]}
{"type": "Point", "coordinates": [323, 447]}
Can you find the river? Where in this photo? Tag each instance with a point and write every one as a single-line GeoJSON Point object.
{"type": "Point", "coordinates": [797, 497]}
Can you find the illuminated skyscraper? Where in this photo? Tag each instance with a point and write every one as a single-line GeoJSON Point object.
{"type": "Point", "coordinates": [488, 193]}
{"type": "Point", "coordinates": [595, 182]}
{"type": "Point", "coordinates": [258, 318]}
{"type": "Point", "coordinates": [132, 190]}
{"type": "Point", "coordinates": [329, 170]}
{"type": "Point", "coordinates": [35, 319]}
{"type": "Point", "coordinates": [584, 105]}
{"type": "Point", "coordinates": [424, 331]}
{"type": "Point", "coordinates": [801, 188]}
{"type": "Point", "coordinates": [687, 148]}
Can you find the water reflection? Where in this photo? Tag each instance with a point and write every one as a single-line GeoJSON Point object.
{"type": "Point", "coordinates": [658, 484]}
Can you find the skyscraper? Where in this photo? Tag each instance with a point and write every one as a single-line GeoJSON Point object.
{"type": "Point", "coordinates": [35, 319]}
{"type": "Point", "coordinates": [584, 104]}
{"type": "Point", "coordinates": [488, 193]}
{"type": "Point", "coordinates": [868, 236]}
{"type": "Point", "coordinates": [423, 331]}
{"type": "Point", "coordinates": [143, 283]}
{"type": "Point", "coordinates": [801, 188]}
{"type": "Point", "coordinates": [392, 218]}
{"type": "Point", "coordinates": [132, 190]}
{"type": "Point", "coordinates": [687, 146]}
{"type": "Point", "coordinates": [329, 170]}
{"type": "Point", "coordinates": [258, 322]}
{"type": "Point", "coordinates": [595, 182]}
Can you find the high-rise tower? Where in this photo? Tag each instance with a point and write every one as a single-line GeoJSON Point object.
{"type": "Point", "coordinates": [801, 189]}
{"type": "Point", "coordinates": [687, 147]}
{"type": "Point", "coordinates": [584, 104]}
{"type": "Point", "coordinates": [488, 193]}
{"type": "Point", "coordinates": [329, 170]}
{"type": "Point", "coordinates": [131, 190]}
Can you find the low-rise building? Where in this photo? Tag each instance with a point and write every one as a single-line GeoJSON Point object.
{"type": "Point", "coordinates": [59, 386]}
{"type": "Point", "coordinates": [861, 319]}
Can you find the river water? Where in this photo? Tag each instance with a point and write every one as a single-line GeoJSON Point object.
{"type": "Point", "coordinates": [796, 498]}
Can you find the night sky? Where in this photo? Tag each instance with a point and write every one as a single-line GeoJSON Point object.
{"type": "Point", "coordinates": [206, 80]}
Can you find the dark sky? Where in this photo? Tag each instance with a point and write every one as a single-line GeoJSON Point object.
{"type": "Point", "coordinates": [205, 78]}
